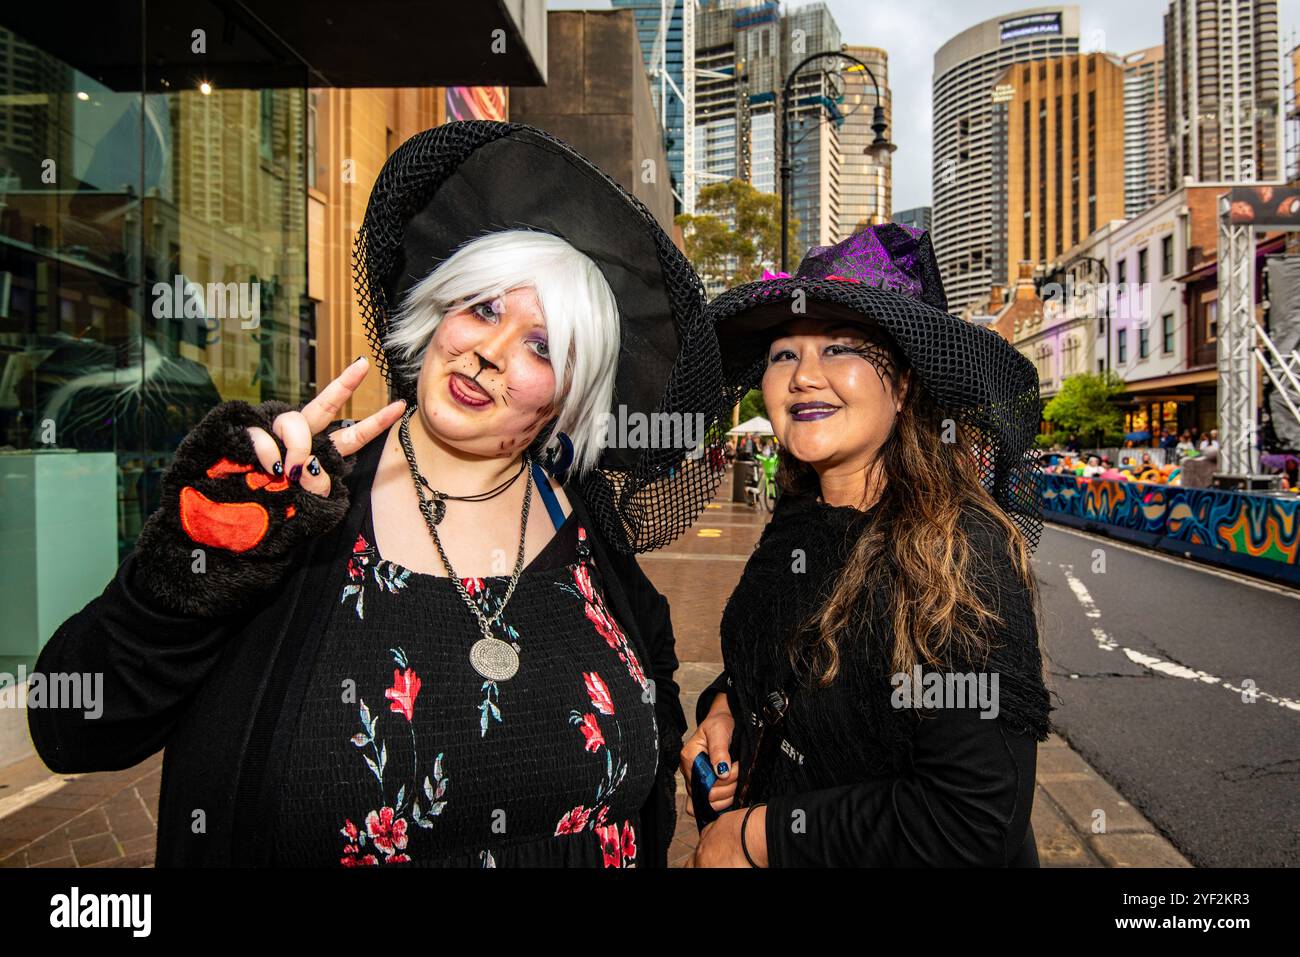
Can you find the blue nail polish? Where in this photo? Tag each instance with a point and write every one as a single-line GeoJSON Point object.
{"type": "Point", "coordinates": [295, 473]}
{"type": "Point", "coordinates": [723, 768]}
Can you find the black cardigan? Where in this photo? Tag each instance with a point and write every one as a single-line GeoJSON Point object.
{"type": "Point", "coordinates": [859, 782]}
{"type": "Point", "coordinates": [211, 691]}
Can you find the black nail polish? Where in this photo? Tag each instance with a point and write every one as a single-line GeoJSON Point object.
{"type": "Point", "coordinates": [277, 469]}
{"type": "Point", "coordinates": [295, 473]}
{"type": "Point", "coordinates": [313, 467]}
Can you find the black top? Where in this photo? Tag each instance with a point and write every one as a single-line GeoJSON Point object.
{"type": "Point", "coordinates": [856, 779]}
{"type": "Point", "coordinates": [217, 693]}
{"type": "Point", "coordinates": [421, 761]}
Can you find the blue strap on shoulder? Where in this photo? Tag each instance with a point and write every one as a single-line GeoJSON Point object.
{"type": "Point", "coordinates": [543, 483]}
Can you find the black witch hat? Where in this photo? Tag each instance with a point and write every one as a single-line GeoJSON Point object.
{"type": "Point", "coordinates": [457, 182]}
{"type": "Point", "coordinates": [887, 274]}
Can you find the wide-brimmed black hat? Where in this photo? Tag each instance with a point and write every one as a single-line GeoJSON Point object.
{"type": "Point", "coordinates": [454, 183]}
{"type": "Point", "coordinates": [887, 275]}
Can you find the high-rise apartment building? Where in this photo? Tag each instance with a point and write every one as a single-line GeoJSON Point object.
{"type": "Point", "coordinates": [1063, 123]}
{"type": "Point", "coordinates": [866, 186]}
{"type": "Point", "coordinates": [744, 50]}
{"type": "Point", "coordinates": [966, 150]}
{"type": "Point", "coordinates": [1223, 84]}
{"type": "Point", "coordinates": [666, 32]}
{"type": "Point", "coordinates": [1146, 161]}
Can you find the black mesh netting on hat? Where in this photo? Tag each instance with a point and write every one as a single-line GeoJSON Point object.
{"type": "Point", "coordinates": [974, 375]}
{"type": "Point", "coordinates": [644, 493]}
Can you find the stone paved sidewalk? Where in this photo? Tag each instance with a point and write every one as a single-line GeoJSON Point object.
{"type": "Point", "coordinates": [109, 819]}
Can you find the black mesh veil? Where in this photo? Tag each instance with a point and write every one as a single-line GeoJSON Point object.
{"type": "Point", "coordinates": [448, 185]}
{"type": "Point", "coordinates": [974, 375]}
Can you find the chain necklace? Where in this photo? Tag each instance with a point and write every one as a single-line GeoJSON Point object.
{"type": "Point", "coordinates": [493, 658]}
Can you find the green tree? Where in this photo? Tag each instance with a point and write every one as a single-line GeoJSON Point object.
{"type": "Point", "coordinates": [752, 405]}
{"type": "Point", "coordinates": [1084, 404]}
{"type": "Point", "coordinates": [734, 233]}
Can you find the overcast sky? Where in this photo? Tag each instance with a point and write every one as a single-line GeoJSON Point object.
{"type": "Point", "coordinates": [912, 30]}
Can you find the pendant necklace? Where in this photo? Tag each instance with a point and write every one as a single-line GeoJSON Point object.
{"type": "Point", "coordinates": [490, 656]}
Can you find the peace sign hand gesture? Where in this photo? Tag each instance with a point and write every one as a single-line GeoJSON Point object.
{"type": "Point", "coordinates": [247, 486]}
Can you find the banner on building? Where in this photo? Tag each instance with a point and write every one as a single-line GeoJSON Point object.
{"type": "Point", "coordinates": [476, 103]}
{"type": "Point", "coordinates": [1268, 207]}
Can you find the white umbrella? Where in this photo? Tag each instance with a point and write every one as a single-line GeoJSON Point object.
{"type": "Point", "coordinates": [755, 426]}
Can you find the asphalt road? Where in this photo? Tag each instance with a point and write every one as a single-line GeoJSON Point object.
{"type": "Point", "coordinates": [1150, 661]}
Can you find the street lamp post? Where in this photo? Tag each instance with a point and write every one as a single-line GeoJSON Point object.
{"type": "Point", "coordinates": [880, 147]}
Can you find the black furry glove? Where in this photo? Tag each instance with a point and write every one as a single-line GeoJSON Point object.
{"type": "Point", "coordinates": [227, 531]}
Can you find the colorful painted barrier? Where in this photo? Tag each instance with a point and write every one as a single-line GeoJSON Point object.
{"type": "Point", "coordinates": [1255, 533]}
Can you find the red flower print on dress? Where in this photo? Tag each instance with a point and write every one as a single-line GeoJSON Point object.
{"type": "Point", "coordinates": [596, 612]}
{"type": "Point", "coordinates": [617, 849]}
{"type": "Point", "coordinates": [574, 821]}
{"type": "Point", "coordinates": [591, 731]}
{"type": "Point", "coordinates": [406, 685]}
{"type": "Point", "coordinates": [629, 844]}
{"type": "Point", "coordinates": [611, 845]}
{"type": "Point", "coordinates": [472, 585]}
{"type": "Point", "coordinates": [352, 856]}
{"type": "Point", "coordinates": [387, 833]}
{"type": "Point", "coordinates": [598, 692]}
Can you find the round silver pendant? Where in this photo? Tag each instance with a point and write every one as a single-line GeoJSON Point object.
{"type": "Point", "coordinates": [494, 659]}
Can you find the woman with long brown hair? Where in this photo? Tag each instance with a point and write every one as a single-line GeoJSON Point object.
{"type": "Point", "coordinates": [883, 694]}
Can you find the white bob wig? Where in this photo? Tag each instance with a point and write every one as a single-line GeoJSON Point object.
{"type": "Point", "coordinates": [582, 322]}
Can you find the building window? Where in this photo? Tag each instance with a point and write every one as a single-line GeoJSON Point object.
{"type": "Point", "coordinates": [1142, 264]}
{"type": "Point", "coordinates": [1167, 333]}
{"type": "Point", "coordinates": [1121, 337]}
{"type": "Point", "coordinates": [1212, 320]}
{"type": "Point", "coordinates": [1144, 342]}
{"type": "Point", "coordinates": [1166, 257]}
{"type": "Point", "coordinates": [1121, 268]}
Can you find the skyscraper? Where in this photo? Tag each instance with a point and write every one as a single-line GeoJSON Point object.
{"type": "Point", "coordinates": [666, 32]}
{"type": "Point", "coordinates": [1146, 161]}
{"type": "Point", "coordinates": [965, 71]}
{"type": "Point", "coordinates": [744, 50]}
{"type": "Point", "coordinates": [1223, 85]}
{"type": "Point", "coordinates": [866, 187]}
{"type": "Point", "coordinates": [1063, 119]}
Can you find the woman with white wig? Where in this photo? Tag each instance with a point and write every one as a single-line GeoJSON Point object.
{"type": "Point", "coordinates": [422, 638]}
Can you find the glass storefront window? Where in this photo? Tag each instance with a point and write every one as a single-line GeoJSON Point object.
{"type": "Point", "coordinates": [152, 264]}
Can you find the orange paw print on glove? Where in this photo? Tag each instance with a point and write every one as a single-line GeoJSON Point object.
{"type": "Point", "coordinates": [234, 526]}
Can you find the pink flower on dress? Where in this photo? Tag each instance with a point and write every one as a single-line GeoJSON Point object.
{"type": "Point", "coordinates": [574, 821]}
{"type": "Point", "coordinates": [599, 617]}
{"type": "Point", "coordinates": [591, 731]}
{"type": "Point", "coordinates": [582, 578]}
{"type": "Point", "coordinates": [598, 692]}
{"type": "Point", "coordinates": [406, 685]}
{"type": "Point", "coordinates": [388, 835]}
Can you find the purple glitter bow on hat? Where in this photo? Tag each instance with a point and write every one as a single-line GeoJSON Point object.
{"type": "Point", "coordinates": [888, 255]}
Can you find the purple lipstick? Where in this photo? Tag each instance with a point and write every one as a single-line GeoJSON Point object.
{"type": "Point", "coordinates": [811, 411]}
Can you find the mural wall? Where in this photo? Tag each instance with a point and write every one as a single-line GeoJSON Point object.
{"type": "Point", "coordinates": [1245, 528]}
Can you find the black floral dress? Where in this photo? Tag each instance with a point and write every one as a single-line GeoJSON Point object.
{"type": "Point", "coordinates": [404, 755]}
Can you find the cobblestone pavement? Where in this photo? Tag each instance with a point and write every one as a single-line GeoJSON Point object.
{"type": "Point", "coordinates": [109, 819]}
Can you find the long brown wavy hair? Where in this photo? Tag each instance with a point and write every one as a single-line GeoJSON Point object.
{"type": "Point", "coordinates": [913, 553]}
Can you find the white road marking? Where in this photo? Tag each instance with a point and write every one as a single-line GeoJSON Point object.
{"type": "Point", "coordinates": [1283, 590]}
{"type": "Point", "coordinates": [1150, 662]}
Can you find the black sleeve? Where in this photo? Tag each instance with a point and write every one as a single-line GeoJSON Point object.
{"type": "Point", "coordinates": [718, 685]}
{"type": "Point", "coordinates": [965, 802]}
{"type": "Point", "coordinates": [143, 662]}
